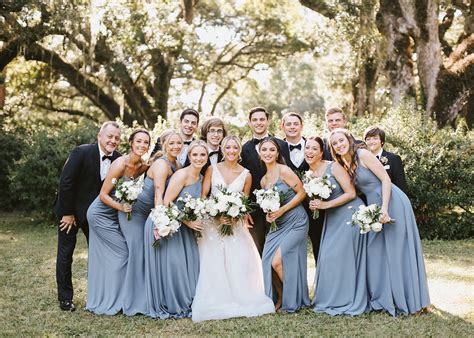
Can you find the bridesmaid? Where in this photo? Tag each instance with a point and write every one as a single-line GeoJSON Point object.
{"type": "Point", "coordinates": [108, 251]}
{"type": "Point", "coordinates": [284, 253]}
{"type": "Point", "coordinates": [396, 274]}
{"type": "Point", "coordinates": [178, 255]}
{"type": "Point", "coordinates": [341, 286]}
{"type": "Point", "coordinates": [134, 284]}
{"type": "Point", "coordinates": [156, 181]}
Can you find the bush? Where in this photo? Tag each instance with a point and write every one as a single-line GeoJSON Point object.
{"type": "Point", "coordinates": [11, 148]}
{"type": "Point", "coordinates": [35, 178]}
{"type": "Point", "coordinates": [438, 165]}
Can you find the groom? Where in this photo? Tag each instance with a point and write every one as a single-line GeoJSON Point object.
{"type": "Point", "coordinates": [80, 183]}
{"type": "Point", "coordinates": [259, 121]}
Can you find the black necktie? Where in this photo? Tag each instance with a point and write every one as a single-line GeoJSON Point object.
{"type": "Point", "coordinates": [187, 143]}
{"type": "Point", "coordinates": [213, 153]}
{"type": "Point", "coordinates": [298, 146]}
{"type": "Point", "coordinates": [257, 140]}
{"type": "Point", "coordinates": [107, 157]}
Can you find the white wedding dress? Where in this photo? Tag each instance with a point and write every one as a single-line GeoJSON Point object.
{"type": "Point", "coordinates": [230, 280]}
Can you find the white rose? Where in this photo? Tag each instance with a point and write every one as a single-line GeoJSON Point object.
{"type": "Point", "coordinates": [164, 220]}
{"type": "Point", "coordinates": [164, 231]}
{"type": "Point", "coordinates": [233, 211]}
{"type": "Point", "coordinates": [174, 225]}
{"type": "Point", "coordinates": [376, 227]}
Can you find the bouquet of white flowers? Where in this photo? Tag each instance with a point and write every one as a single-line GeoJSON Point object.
{"type": "Point", "coordinates": [367, 218]}
{"type": "Point", "coordinates": [165, 220]}
{"type": "Point", "coordinates": [317, 188]}
{"type": "Point", "coordinates": [270, 200]}
{"type": "Point", "coordinates": [227, 203]}
{"type": "Point", "coordinates": [191, 209]}
{"type": "Point", "coordinates": [127, 191]}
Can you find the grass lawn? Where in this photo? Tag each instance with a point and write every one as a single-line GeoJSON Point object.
{"type": "Point", "coordinates": [28, 304]}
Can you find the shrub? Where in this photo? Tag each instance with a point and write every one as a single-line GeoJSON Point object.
{"type": "Point", "coordinates": [11, 147]}
{"type": "Point", "coordinates": [34, 179]}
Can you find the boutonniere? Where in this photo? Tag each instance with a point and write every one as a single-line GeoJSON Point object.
{"type": "Point", "coordinates": [383, 160]}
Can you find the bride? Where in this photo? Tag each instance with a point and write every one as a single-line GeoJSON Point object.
{"type": "Point", "coordinates": [230, 280]}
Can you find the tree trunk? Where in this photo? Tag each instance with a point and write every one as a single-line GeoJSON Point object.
{"type": "Point", "coordinates": [398, 64]}
{"type": "Point", "coordinates": [2, 95]}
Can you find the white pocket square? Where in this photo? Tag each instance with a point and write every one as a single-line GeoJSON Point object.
{"type": "Point", "coordinates": [386, 166]}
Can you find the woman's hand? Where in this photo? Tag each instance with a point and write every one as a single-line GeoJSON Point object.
{"type": "Point", "coordinates": [272, 216]}
{"type": "Point", "coordinates": [195, 225]}
{"type": "Point", "coordinates": [248, 221]}
{"type": "Point", "coordinates": [126, 207]}
{"type": "Point", "coordinates": [384, 217]}
{"type": "Point", "coordinates": [225, 220]}
{"type": "Point", "coordinates": [317, 204]}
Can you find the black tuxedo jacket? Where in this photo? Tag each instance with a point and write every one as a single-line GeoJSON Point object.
{"type": "Point", "coordinates": [80, 182]}
{"type": "Point", "coordinates": [301, 168]}
{"type": "Point", "coordinates": [395, 170]}
{"type": "Point", "coordinates": [220, 157]}
{"type": "Point", "coordinates": [251, 161]}
{"type": "Point", "coordinates": [157, 147]}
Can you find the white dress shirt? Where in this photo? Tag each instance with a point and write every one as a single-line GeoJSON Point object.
{"type": "Point", "coordinates": [297, 155]}
{"type": "Point", "coordinates": [104, 164]}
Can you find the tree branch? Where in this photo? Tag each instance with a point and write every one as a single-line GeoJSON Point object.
{"type": "Point", "coordinates": [321, 7]}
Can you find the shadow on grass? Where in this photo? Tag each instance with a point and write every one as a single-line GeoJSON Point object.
{"type": "Point", "coordinates": [28, 303]}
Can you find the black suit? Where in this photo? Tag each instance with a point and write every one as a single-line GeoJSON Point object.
{"type": "Point", "coordinates": [315, 225]}
{"type": "Point", "coordinates": [251, 161]}
{"type": "Point", "coordinates": [395, 170]}
{"type": "Point", "coordinates": [79, 185]}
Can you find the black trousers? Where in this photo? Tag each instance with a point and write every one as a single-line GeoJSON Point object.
{"type": "Point", "coordinates": [66, 246]}
{"type": "Point", "coordinates": [315, 231]}
{"type": "Point", "coordinates": [259, 230]}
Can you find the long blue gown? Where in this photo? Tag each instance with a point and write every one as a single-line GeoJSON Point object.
{"type": "Point", "coordinates": [341, 286]}
{"type": "Point", "coordinates": [291, 236]}
{"type": "Point", "coordinates": [396, 273]}
{"type": "Point", "coordinates": [176, 267]}
{"type": "Point", "coordinates": [108, 256]}
{"type": "Point", "coordinates": [134, 289]}
{"type": "Point", "coordinates": [152, 262]}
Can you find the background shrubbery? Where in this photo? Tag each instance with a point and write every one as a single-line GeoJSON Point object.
{"type": "Point", "coordinates": [438, 162]}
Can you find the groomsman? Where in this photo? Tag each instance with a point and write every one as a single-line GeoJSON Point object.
{"type": "Point", "coordinates": [80, 183]}
{"type": "Point", "coordinates": [212, 132]}
{"type": "Point", "coordinates": [189, 122]}
{"type": "Point", "coordinates": [374, 137]}
{"type": "Point", "coordinates": [292, 125]}
{"type": "Point", "coordinates": [335, 118]}
{"type": "Point", "coordinates": [259, 121]}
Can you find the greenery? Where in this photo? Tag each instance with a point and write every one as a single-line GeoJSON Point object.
{"type": "Point", "coordinates": [29, 305]}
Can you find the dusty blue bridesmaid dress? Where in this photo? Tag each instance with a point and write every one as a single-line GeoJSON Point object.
{"type": "Point", "coordinates": [341, 287]}
{"type": "Point", "coordinates": [174, 274]}
{"type": "Point", "coordinates": [108, 256]}
{"type": "Point", "coordinates": [291, 236]}
{"type": "Point", "coordinates": [152, 282]}
{"type": "Point", "coordinates": [134, 289]}
{"type": "Point", "coordinates": [396, 273]}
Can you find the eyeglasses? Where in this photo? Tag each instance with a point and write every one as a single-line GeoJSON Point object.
{"type": "Point", "coordinates": [216, 131]}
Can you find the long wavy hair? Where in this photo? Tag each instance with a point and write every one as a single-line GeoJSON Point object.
{"type": "Point", "coordinates": [273, 140]}
{"type": "Point", "coordinates": [351, 167]}
{"type": "Point", "coordinates": [164, 140]}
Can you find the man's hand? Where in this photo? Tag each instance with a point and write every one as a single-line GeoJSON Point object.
{"type": "Point", "coordinates": [67, 222]}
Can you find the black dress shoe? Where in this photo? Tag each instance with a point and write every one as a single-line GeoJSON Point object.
{"type": "Point", "coordinates": [67, 305]}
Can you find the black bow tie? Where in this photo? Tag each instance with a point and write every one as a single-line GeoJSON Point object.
{"type": "Point", "coordinates": [187, 143]}
{"type": "Point", "coordinates": [213, 153]}
{"type": "Point", "coordinates": [105, 157]}
{"type": "Point", "coordinates": [298, 146]}
{"type": "Point", "coordinates": [257, 140]}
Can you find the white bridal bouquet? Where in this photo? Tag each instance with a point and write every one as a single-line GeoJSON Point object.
{"type": "Point", "coordinates": [270, 200]}
{"type": "Point", "coordinates": [191, 209]}
{"type": "Point", "coordinates": [165, 220]}
{"type": "Point", "coordinates": [227, 203]}
{"type": "Point", "coordinates": [317, 188]}
{"type": "Point", "coordinates": [367, 218]}
{"type": "Point", "coordinates": [127, 191]}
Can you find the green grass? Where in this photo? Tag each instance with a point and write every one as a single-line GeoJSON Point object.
{"type": "Point", "coordinates": [28, 304]}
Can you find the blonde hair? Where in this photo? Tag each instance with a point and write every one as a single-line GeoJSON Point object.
{"type": "Point", "coordinates": [231, 138]}
{"type": "Point", "coordinates": [197, 143]}
{"type": "Point", "coordinates": [164, 140]}
{"type": "Point", "coordinates": [334, 110]}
